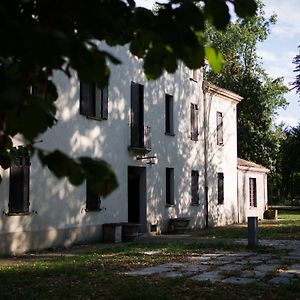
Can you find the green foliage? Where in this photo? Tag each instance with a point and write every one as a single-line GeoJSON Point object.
{"type": "Point", "coordinates": [243, 73]}
{"type": "Point", "coordinates": [296, 83]}
{"type": "Point", "coordinates": [290, 161]}
{"type": "Point", "coordinates": [40, 36]}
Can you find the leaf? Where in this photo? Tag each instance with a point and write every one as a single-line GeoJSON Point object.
{"type": "Point", "coordinates": [245, 8]}
{"type": "Point", "coordinates": [100, 175]}
{"type": "Point", "coordinates": [217, 12]}
{"type": "Point", "coordinates": [98, 172]}
{"type": "Point", "coordinates": [215, 59]}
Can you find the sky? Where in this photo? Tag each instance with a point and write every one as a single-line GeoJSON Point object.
{"type": "Point", "coordinates": [278, 51]}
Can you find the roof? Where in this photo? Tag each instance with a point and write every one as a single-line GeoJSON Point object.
{"type": "Point", "coordinates": [251, 166]}
{"type": "Point", "coordinates": [223, 93]}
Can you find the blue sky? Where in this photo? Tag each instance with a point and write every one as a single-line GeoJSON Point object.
{"type": "Point", "coordinates": [278, 51]}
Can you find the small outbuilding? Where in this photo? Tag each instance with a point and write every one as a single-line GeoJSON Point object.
{"type": "Point", "coordinates": [252, 190]}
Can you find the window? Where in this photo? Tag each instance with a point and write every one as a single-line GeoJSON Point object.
{"type": "Point", "coordinates": [195, 187]}
{"type": "Point", "coordinates": [220, 188]}
{"type": "Point", "coordinates": [19, 186]}
{"type": "Point", "coordinates": [170, 186]}
{"type": "Point", "coordinates": [219, 128]}
{"type": "Point", "coordinates": [194, 122]}
{"type": "Point", "coordinates": [137, 115]}
{"type": "Point", "coordinates": [252, 192]}
{"type": "Point", "coordinates": [169, 128]}
{"type": "Point", "coordinates": [93, 200]}
{"type": "Point", "coordinates": [93, 101]}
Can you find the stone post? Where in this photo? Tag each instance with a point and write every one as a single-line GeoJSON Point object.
{"type": "Point", "coordinates": [252, 232]}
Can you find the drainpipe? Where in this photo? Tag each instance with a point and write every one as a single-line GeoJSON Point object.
{"type": "Point", "coordinates": [205, 88]}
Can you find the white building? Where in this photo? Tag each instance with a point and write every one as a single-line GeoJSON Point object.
{"type": "Point", "coordinates": [188, 128]}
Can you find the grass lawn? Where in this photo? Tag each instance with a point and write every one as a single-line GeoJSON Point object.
{"type": "Point", "coordinates": [286, 227]}
{"type": "Point", "coordinates": [101, 275]}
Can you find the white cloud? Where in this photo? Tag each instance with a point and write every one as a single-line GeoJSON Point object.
{"type": "Point", "coordinates": [288, 121]}
{"type": "Point", "coordinates": [288, 13]}
{"type": "Point", "coordinates": [267, 55]}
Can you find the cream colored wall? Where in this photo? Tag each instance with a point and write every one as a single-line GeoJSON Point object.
{"type": "Point", "coordinates": [245, 210]}
{"type": "Point", "coordinates": [58, 209]}
{"type": "Point", "coordinates": [222, 159]}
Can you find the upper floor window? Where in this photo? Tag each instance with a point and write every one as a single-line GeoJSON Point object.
{"type": "Point", "coordinates": [194, 122]}
{"type": "Point", "coordinates": [19, 186]}
{"type": "Point", "coordinates": [220, 129]}
{"type": "Point", "coordinates": [195, 187]}
{"type": "Point", "coordinates": [220, 188]}
{"type": "Point", "coordinates": [252, 192]}
{"type": "Point", "coordinates": [93, 101]}
{"type": "Point", "coordinates": [169, 127]}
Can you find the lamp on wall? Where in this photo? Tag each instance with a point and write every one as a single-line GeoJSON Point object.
{"type": "Point", "coordinates": [150, 159]}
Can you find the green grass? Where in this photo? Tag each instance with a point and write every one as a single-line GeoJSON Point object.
{"type": "Point", "coordinates": [286, 227]}
{"type": "Point", "coordinates": [102, 275]}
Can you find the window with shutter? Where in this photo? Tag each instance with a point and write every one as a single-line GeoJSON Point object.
{"type": "Point", "coordinates": [169, 127]}
{"type": "Point", "coordinates": [194, 122]}
{"type": "Point", "coordinates": [252, 192]}
{"type": "Point", "coordinates": [170, 186]}
{"type": "Point", "coordinates": [93, 200]}
{"type": "Point", "coordinates": [93, 101]}
{"type": "Point", "coordinates": [137, 115]}
{"type": "Point", "coordinates": [195, 187]}
{"type": "Point", "coordinates": [220, 188]}
{"type": "Point", "coordinates": [220, 129]}
{"type": "Point", "coordinates": [19, 186]}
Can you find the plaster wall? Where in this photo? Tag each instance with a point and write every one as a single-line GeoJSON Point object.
{"type": "Point", "coordinates": [245, 210]}
{"type": "Point", "coordinates": [58, 216]}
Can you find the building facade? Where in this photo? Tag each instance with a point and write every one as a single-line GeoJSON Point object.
{"type": "Point", "coordinates": [172, 144]}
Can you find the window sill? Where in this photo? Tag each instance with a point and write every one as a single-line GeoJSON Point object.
{"type": "Point", "coordinates": [142, 150]}
{"type": "Point", "coordinates": [195, 204]}
{"type": "Point", "coordinates": [17, 214]}
{"type": "Point", "coordinates": [93, 210]}
{"type": "Point", "coordinates": [169, 134]}
{"type": "Point", "coordinates": [170, 205]}
{"type": "Point", "coordinates": [220, 145]}
{"type": "Point", "coordinates": [194, 80]}
{"type": "Point", "coordinates": [95, 118]}
{"type": "Point", "coordinates": [221, 203]}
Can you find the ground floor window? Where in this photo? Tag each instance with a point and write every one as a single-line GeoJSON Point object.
{"type": "Point", "coordinates": [252, 192]}
{"type": "Point", "coordinates": [19, 186]}
{"type": "Point", "coordinates": [195, 187]}
{"type": "Point", "coordinates": [93, 200]}
{"type": "Point", "coordinates": [220, 188]}
{"type": "Point", "coordinates": [170, 186]}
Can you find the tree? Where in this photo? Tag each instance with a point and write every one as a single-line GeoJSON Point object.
{"type": "Point", "coordinates": [244, 74]}
{"type": "Point", "coordinates": [40, 36]}
{"type": "Point", "coordinates": [290, 160]}
{"type": "Point", "coordinates": [296, 83]}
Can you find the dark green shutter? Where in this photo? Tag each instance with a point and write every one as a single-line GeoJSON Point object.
{"type": "Point", "coordinates": [19, 186]}
{"type": "Point", "coordinates": [87, 101]}
{"type": "Point", "coordinates": [104, 104]}
{"type": "Point", "coordinates": [93, 201]}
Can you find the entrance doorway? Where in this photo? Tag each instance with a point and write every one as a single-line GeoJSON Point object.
{"type": "Point", "coordinates": [137, 197]}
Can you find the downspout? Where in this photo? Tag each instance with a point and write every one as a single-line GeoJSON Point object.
{"type": "Point", "coordinates": [205, 87]}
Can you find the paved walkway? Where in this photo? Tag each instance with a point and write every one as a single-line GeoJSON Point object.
{"type": "Point", "coordinates": [222, 266]}
{"type": "Point", "coordinates": [236, 267]}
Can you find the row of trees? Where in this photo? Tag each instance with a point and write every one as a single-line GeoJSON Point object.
{"type": "Point", "coordinates": [259, 139]}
